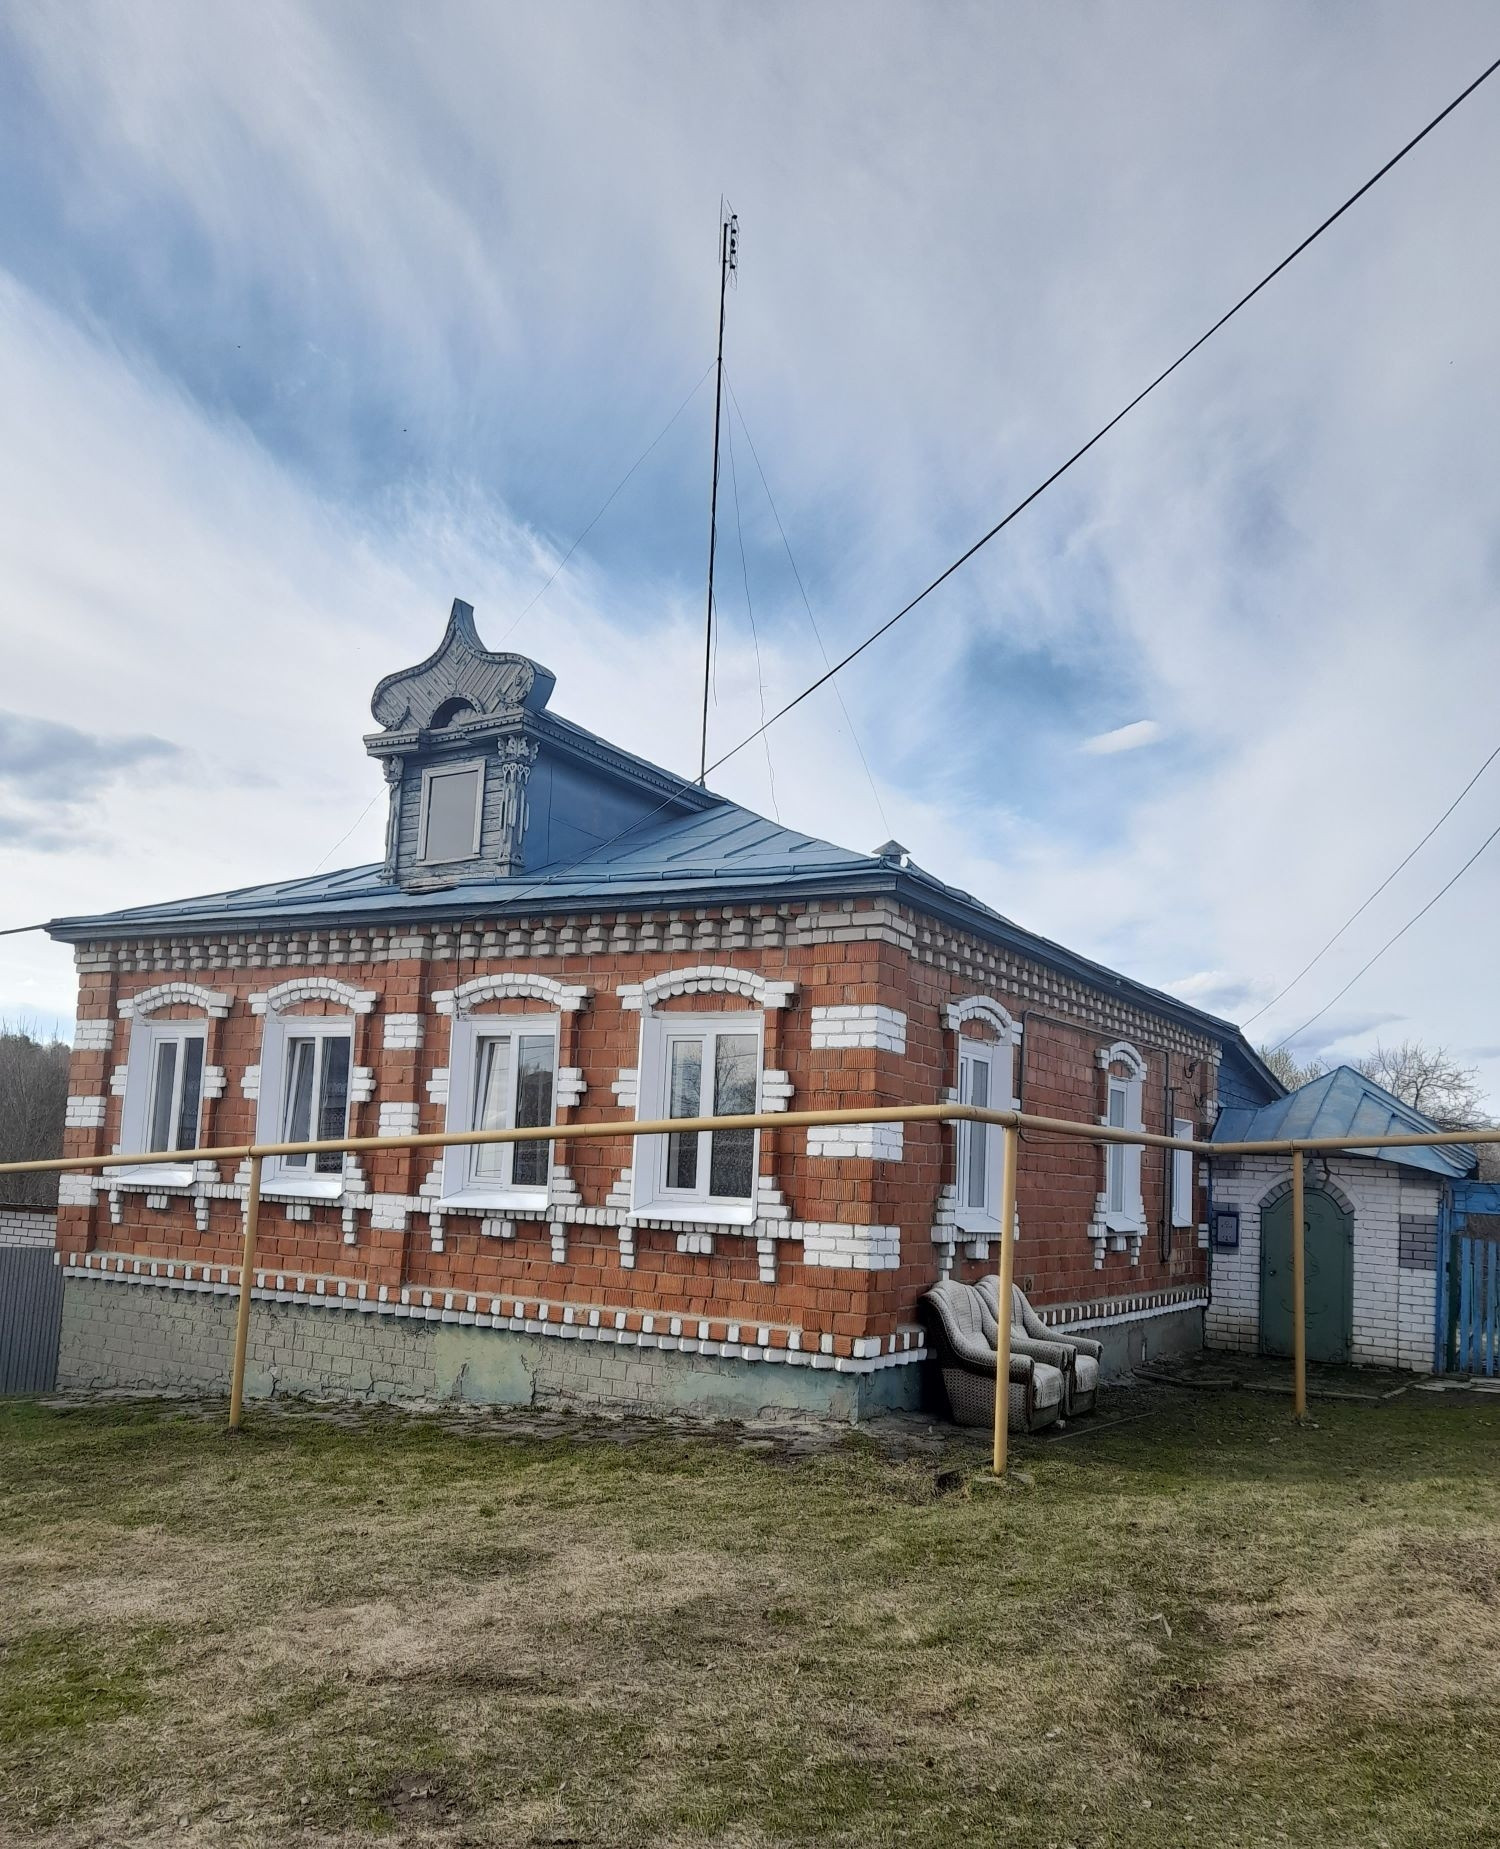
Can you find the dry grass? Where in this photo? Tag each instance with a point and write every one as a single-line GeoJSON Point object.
{"type": "Point", "coordinates": [1205, 1627]}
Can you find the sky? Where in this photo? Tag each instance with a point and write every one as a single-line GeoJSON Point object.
{"type": "Point", "coordinates": [316, 316]}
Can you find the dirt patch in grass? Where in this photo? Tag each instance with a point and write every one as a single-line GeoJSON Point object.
{"type": "Point", "coordinates": [1208, 1626]}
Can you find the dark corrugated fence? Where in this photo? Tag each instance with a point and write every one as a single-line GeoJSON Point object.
{"type": "Point", "coordinates": [31, 1294]}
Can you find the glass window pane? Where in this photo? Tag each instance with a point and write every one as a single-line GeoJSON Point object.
{"type": "Point", "coordinates": [296, 1113]}
{"type": "Point", "coordinates": [1117, 1106]}
{"type": "Point", "coordinates": [159, 1130]}
{"type": "Point", "coordinates": [192, 1092]}
{"type": "Point", "coordinates": [534, 1069]}
{"type": "Point", "coordinates": [976, 1174]}
{"type": "Point", "coordinates": [333, 1101]}
{"type": "Point", "coordinates": [491, 1097]}
{"type": "Point", "coordinates": [684, 1090]}
{"type": "Point", "coordinates": [451, 799]}
{"type": "Point", "coordinates": [730, 1164]}
{"type": "Point", "coordinates": [732, 1157]}
{"type": "Point", "coordinates": [734, 1073]}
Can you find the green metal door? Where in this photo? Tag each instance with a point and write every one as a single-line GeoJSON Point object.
{"type": "Point", "coordinates": [1330, 1277]}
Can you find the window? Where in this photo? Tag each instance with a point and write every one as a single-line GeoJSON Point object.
{"type": "Point", "coordinates": [699, 1066]}
{"type": "Point", "coordinates": [164, 1095]}
{"type": "Point", "coordinates": [1118, 1153]}
{"type": "Point", "coordinates": [452, 802]}
{"type": "Point", "coordinates": [176, 1089]}
{"type": "Point", "coordinates": [1182, 1175]}
{"type": "Point", "coordinates": [305, 1074]}
{"type": "Point", "coordinates": [978, 1151]}
{"type": "Point", "coordinates": [1120, 1206]}
{"type": "Point", "coordinates": [502, 1077]}
{"type": "Point", "coordinates": [315, 1100]}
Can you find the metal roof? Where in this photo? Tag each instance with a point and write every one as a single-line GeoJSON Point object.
{"type": "Point", "coordinates": [1344, 1103]}
{"type": "Point", "coordinates": [720, 855]}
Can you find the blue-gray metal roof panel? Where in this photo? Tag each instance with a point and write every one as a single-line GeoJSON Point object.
{"type": "Point", "coordinates": [1345, 1104]}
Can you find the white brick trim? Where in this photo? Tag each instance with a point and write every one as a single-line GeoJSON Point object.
{"type": "Point", "coordinates": [176, 995]}
{"type": "Point", "coordinates": [1122, 1053]}
{"type": "Point", "coordinates": [706, 979]}
{"type": "Point", "coordinates": [513, 985]}
{"type": "Point", "coordinates": [401, 1033]}
{"type": "Point", "coordinates": [93, 1036]}
{"type": "Point", "coordinates": [850, 1248]}
{"type": "Point", "coordinates": [84, 1114]}
{"type": "Point", "coordinates": [299, 989]}
{"type": "Point", "coordinates": [864, 1142]}
{"type": "Point", "coordinates": [873, 1025]}
{"type": "Point", "coordinates": [984, 1008]}
{"type": "Point", "coordinates": [398, 1119]}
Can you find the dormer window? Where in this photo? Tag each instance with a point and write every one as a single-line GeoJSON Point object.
{"type": "Point", "coordinates": [452, 807]}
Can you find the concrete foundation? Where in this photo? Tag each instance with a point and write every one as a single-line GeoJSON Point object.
{"type": "Point", "coordinates": [1134, 1341]}
{"type": "Point", "coordinates": [155, 1337]}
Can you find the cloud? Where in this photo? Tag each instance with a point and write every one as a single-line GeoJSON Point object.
{"type": "Point", "coordinates": [52, 762]}
{"type": "Point", "coordinates": [1124, 738]}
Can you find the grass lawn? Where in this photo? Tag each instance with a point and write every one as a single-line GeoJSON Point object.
{"type": "Point", "coordinates": [1204, 1627]}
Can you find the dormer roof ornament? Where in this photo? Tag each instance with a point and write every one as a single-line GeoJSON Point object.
{"type": "Point", "coordinates": [461, 678]}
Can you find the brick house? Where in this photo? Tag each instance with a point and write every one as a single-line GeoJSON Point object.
{"type": "Point", "coordinates": [561, 931]}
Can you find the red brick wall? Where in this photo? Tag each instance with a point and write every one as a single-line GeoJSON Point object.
{"type": "Point", "coordinates": [1058, 1075]}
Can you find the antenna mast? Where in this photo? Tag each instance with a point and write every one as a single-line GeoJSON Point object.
{"type": "Point", "coordinates": [729, 259]}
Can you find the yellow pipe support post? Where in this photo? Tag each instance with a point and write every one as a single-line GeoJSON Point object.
{"type": "Point", "coordinates": [247, 1279]}
{"type": "Point", "coordinates": [1299, 1293]}
{"type": "Point", "coordinates": [1010, 1145]}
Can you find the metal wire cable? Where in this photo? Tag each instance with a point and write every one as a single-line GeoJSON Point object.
{"type": "Point", "coordinates": [1265, 1006]}
{"type": "Point", "coordinates": [1297, 1031]}
{"type": "Point", "coordinates": [557, 573]}
{"type": "Point", "coordinates": [1104, 429]}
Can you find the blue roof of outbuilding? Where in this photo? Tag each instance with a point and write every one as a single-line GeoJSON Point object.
{"type": "Point", "coordinates": [1344, 1103]}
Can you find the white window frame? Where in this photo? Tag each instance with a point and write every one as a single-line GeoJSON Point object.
{"type": "Point", "coordinates": [280, 1030]}
{"type": "Point", "coordinates": [429, 777]}
{"type": "Point", "coordinates": [1122, 1161]}
{"type": "Point", "coordinates": [1183, 1202]}
{"type": "Point", "coordinates": [461, 1186]}
{"type": "Point", "coordinates": [998, 1060]}
{"type": "Point", "coordinates": [146, 1036]}
{"type": "Point", "coordinates": [650, 1196]}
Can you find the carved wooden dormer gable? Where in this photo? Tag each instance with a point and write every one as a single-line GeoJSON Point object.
{"type": "Point", "coordinates": [457, 746]}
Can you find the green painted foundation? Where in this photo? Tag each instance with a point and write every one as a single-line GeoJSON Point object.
{"type": "Point", "coordinates": [158, 1338]}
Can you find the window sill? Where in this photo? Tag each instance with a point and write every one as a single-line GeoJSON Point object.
{"type": "Point", "coordinates": [694, 1213]}
{"type": "Point", "coordinates": [173, 1177]}
{"type": "Point", "coordinates": [293, 1188]}
{"type": "Point", "coordinates": [1124, 1223]}
{"type": "Point", "coordinates": [977, 1226]}
{"type": "Point", "coordinates": [525, 1203]}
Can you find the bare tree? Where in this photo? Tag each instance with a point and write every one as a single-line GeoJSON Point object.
{"type": "Point", "coordinates": [1431, 1080]}
{"type": "Point", "coordinates": [33, 1102]}
{"type": "Point", "coordinates": [1287, 1070]}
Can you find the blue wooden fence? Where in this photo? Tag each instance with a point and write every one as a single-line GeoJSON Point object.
{"type": "Point", "coordinates": [1468, 1305]}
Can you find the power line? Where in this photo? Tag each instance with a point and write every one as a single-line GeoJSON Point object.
{"type": "Point", "coordinates": [607, 504]}
{"type": "Point", "coordinates": [760, 680]}
{"type": "Point", "coordinates": [1265, 1006]}
{"type": "Point", "coordinates": [806, 604]}
{"type": "Point", "coordinates": [1296, 1031]}
{"type": "Point", "coordinates": [1104, 429]}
